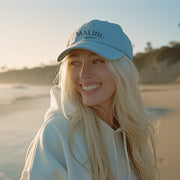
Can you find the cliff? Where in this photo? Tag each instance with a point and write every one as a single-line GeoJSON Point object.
{"type": "Point", "coordinates": [36, 76]}
{"type": "Point", "coordinates": [158, 66]}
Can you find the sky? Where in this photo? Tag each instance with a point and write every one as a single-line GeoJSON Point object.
{"type": "Point", "coordinates": [34, 32]}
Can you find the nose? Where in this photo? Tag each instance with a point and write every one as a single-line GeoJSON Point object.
{"type": "Point", "coordinates": [85, 71]}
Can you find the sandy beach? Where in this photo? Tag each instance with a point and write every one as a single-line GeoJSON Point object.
{"type": "Point", "coordinates": [20, 121]}
{"type": "Point", "coordinates": [168, 97]}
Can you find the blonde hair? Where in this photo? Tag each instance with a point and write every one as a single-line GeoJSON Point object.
{"type": "Point", "coordinates": [129, 111]}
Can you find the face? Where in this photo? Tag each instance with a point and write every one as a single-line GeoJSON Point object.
{"type": "Point", "coordinates": [92, 78]}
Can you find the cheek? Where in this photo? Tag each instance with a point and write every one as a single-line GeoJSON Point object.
{"type": "Point", "coordinates": [108, 76]}
{"type": "Point", "coordinates": [111, 84]}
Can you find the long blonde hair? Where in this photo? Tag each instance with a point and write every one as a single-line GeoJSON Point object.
{"type": "Point", "coordinates": [129, 111]}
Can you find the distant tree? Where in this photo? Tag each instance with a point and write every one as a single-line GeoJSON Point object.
{"type": "Point", "coordinates": [25, 68]}
{"type": "Point", "coordinates": [53, 62]}
{"type": "Point", "coordinates": [42, 64]}
{"type": "Point", "coordinates": [4, 67]}
{"type": "Point", "coordinates": [148, 47]}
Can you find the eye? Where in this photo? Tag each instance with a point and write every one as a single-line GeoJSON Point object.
{"type": "Point", "coordinates": [74, 63]}
{"type": "Point", "coordinates": [98, 61]}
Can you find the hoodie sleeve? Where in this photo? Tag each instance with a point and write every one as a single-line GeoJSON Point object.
{"type": "Point", "coordinates": [45, 157]}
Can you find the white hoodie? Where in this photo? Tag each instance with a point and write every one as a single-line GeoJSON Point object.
{"type": "Point", "coordinates": [49, 157]}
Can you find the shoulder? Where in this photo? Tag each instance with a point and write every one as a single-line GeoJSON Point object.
{"type": "Point", "coordinates": [55, 125]}
{"type": "Point", "coordinates": [45, 154]}
{"type": "Point", "coordinates": [50, 138]}
{"type": "Point", "coordinates": [56, 120]}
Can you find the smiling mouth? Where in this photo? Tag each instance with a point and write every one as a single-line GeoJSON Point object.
{"type": "Point", "coordinates": [90, 87]}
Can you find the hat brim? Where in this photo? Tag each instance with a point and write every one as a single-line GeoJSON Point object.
{"type": "Point", "coordinates": [102, 50]}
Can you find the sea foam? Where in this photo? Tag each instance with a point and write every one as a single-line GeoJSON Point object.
{"type": "Point", "coordinates": [11, 93]}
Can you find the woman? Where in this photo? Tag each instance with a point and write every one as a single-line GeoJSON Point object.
{"type": "Point", "coordinates": [96, 127]}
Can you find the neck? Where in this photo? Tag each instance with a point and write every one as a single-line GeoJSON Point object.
{"type": "Point", "coordinates": [106, 115]}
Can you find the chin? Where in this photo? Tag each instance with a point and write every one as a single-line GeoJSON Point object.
{"type": "Point", "coordinates": [90, 103]}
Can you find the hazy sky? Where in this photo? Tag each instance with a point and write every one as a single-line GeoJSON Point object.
{"type": "Point", "coordinates": [36, 31]}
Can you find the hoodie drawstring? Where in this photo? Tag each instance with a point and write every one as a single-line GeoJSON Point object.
{"type": "Point", "coordinates": [116, 157]}
{"type": "Point", "coordinates": [127, 157]}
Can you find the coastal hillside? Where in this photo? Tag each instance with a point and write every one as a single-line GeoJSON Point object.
{"type": "Point", "coordinates": [159, 66]}
{"type": "Point", "coordinates": [36, 76]}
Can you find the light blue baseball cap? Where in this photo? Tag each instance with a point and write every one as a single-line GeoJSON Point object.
{"type": "Point", "coordinates": [101, 37]}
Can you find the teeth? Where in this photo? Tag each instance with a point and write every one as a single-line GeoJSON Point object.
{"type": "Point", "coordinates": [90, 87]}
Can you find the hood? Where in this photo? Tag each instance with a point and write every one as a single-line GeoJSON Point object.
{"type": "Point", "coordinates": [55, 108]}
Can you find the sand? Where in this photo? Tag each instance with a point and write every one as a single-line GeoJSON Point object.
{"type": "Point", "coordinates": [20, 121]}
{"type": "Point", "coordinates": [167, 96]}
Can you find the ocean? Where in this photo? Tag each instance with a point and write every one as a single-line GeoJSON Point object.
{"type": "Point", "coordinates": [11, 93]}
